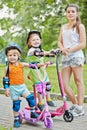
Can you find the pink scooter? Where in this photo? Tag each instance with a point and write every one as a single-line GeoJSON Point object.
{"type": "Point", "coordinates": [63, 110]}
{"type": "Point", "coordinates": [45, 115]}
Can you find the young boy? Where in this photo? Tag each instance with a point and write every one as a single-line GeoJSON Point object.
{"type": "Point", "coordinates": [13, 82]}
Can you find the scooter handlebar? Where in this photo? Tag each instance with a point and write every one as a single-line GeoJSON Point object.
{"type": "Point", "coordinates": [56, 51]}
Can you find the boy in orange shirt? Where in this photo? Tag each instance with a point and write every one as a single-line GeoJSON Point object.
{"type": "Point", "coordinates": [13, 82]}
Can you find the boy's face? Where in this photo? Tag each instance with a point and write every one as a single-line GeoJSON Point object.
{"type": "Point", "coordinates": [34, 40]}
{"type": "Point", "coordinates": [13, 56]}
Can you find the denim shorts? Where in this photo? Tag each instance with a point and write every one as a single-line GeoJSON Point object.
{"type": "Point", "coordinates": [73, 62]}
{"type": "Point", "coordinates": [16, 91]}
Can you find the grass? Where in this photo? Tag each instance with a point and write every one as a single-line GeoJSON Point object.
{"type": "Point", "coordinates": [3, 128]}
{"type": "Point", "coordinates": [51, 70]}
{"type": "Point", "coordinates": [53, 78]}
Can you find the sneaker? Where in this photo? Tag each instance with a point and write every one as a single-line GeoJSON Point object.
{"type": "Point", "coordinates": [16, 123]}
{"type": "Point", "coordinates": [76, 112]}
{"type": "Point", "coordinates": [51, 103]}
{"type": "Point", "coordinates": [34, 115]}
{"type": "Point", "coordinates": [72, 108]}
{"type": "Point", "coordinates": [41, 107]}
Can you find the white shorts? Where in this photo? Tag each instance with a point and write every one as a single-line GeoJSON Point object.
{"type": "Point", "coordinates": [73, 62]}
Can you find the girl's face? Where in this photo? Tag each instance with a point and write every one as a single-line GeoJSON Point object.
{"type": "Point", "coordinates": [71, 13]}
{"type": "Point", "coordinates": [34, 40]}
{"type": "Point", "coordinates": [12, 56]}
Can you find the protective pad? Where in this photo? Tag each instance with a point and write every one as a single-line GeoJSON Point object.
{"type": "Point", "coordinates": [16, 105]}
{"type": "Point", "coordinates": [31, 100]}
{"type": "Point", "coordinates": [48, 86]}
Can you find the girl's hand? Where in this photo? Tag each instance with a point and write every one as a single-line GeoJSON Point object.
{"type": "Point", "coordinates": [65, 51]}
{"type": "Point", "coordinates": [40, 65]}
{"type": "Point", "coordinates": [7, 93]}
{"type": "Point", "coordinates": [46, 53]}
{"type": "Point", "coordinates": [43, 64]}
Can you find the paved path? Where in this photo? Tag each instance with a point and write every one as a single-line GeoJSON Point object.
{"type": "Point", "coordinates": [6, 118]}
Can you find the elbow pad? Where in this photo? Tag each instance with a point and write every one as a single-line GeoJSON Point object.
{"type": "Point", "coordinates": [5, 82]}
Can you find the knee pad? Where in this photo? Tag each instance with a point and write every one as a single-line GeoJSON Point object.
{"type": "Point", "coordinates": [31, 101]}
{"type": "Point", "coordinates": [48, 86]}
{"type": "Point", "coordinates": [16, 105]}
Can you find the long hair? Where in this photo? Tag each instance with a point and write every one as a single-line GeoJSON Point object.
{"type": "Point", "coordinates": [78, 20]}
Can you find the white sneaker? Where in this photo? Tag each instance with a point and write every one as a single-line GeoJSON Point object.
{"type": "Point", "coordinates": [72, 108]}
{"type": "Point", "coordinates": [76, 112]}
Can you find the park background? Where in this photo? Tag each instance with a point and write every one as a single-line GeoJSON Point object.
{"type": "Point", "coordinates": [18, 17]}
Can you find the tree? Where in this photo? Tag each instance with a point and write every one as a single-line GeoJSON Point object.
{"type": "Point", "coordinates": [47, 16]}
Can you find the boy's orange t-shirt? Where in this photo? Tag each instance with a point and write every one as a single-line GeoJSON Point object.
{"type": "Point", "coordinates": [16, 74]}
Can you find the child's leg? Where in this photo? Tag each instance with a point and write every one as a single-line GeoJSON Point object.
{"type": "Point", "coordinates": [32, 103]}
{"type": "Point", "coordinates": [16, 108]}
{"type": "Point", "coordinates": [48, 98]}
{"type": "Point", "coordinates": [40, 101]}
{"type": "Point", "coordinates": [38, 96]}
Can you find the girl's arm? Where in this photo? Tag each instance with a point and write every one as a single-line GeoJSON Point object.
{"type": "Point", "coordinates": [46, 53]}
{"type": "Point", "coordinates": [31, 51]}
{"type": "Point", "coordinates": [60, 42]}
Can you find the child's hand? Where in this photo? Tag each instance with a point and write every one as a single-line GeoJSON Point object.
{"type": "Point", "coordinates": [46, 53]}
{"type": "Point", "coordinates": [7, 93]}
{"type": "Point", "coordinates": [37, 53]}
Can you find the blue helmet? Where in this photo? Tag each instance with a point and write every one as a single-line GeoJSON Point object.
{"type": "Point", "coordinates": [12, 46]}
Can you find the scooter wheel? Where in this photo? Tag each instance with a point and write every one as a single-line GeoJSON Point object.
{"type": "Point", "coordinates": [48, 122]}
{"type": "Point", "coordinates": [68, 117]}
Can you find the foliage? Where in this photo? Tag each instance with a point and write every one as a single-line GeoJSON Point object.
{"type": "Point", "coordinates": [47, 16]}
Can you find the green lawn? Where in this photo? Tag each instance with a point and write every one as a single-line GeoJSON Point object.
{"type": "Point", "coordinates": [3, 128]}
{"type": "Point", "coordinates": [53, 78]}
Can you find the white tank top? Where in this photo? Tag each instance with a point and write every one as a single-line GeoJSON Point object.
{"type": "Point", "coordinates": [70, 39]}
